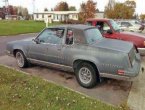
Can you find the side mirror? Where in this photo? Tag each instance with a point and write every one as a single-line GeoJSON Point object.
{"type": "Point", "coordinates": [36, 41]}
{"type": "Point", "coordinates": [109, 31]}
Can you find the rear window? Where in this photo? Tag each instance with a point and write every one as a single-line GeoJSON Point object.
{"type": "Point", "coordinates": [93, 35]}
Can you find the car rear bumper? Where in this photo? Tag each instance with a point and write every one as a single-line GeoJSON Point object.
{"type": "Point", "coordinates": [130, 74]}
{"type": "Point", "coordinates": [119, 77]}
{"type": "Point", "coordinates": [141, 51]}
{"type": "Point", "coordinates": [135, 70]}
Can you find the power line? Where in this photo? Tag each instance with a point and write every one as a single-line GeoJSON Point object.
{"type": "Point", "coordinates": [6, 2]}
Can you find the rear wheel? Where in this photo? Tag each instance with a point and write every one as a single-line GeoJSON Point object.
{"type": "Point", "coordinates": [21, 59]}
{"type": "Point", "coordinates": [86, 75]}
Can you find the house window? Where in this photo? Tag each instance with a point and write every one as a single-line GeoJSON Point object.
{"type": "Point", "coordinates": [42, 15]}
{"type": "Point", "coordinates": [36, 15]}
{"type": "Point", "coordinates": [76, 16]}
{"type": "Point", "coordinates": [53, 16]}
{"type": "Point", "coordinates": [73, 16]}
{"type": "Point", "coordinates": [57, 17]}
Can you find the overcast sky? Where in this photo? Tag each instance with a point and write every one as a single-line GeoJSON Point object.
{"type": "Point", "coordinates": [41, 4]}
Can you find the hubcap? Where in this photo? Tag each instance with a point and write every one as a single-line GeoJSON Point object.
{"type": "Point", "coordinates": [85, 75]}
{"type": "Point", "coordinates": [20, 59]}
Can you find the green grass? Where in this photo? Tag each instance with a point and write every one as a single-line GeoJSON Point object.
{"type": "Point", "coordinates": [19, 91]}
{"type": "Point", "coordinates": [12, 27]}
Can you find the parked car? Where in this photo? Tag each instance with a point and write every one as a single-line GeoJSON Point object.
{"type": "Point", "coordinates": [110, 29]}
{"type": "Point", "coordinates": [131, 25]}
{"type": "Point", "coordinates": [80, 49]}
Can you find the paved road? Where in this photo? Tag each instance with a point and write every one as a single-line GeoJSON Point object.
{"type": "Point", "coordinates": [5, 39]}
{"type": "Point", "coordinates": [136, 99]}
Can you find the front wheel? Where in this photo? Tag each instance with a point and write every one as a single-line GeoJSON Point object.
{"type": "Point", "coordinates": [86, 75]}
{"type": "Point", "coordinates": [21, 59]}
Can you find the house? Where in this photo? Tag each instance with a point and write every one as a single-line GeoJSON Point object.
{"type": "Point", "coordinates": [13, 17]}
{"type": "Point", "coordinates": [99, 14]}
{"type": "Point", "coordinates": [56, 16]}
{"type": "Point", "coordinates": [2, 13]}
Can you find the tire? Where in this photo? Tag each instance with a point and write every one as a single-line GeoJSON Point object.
{"type": "Point", "coordinates": [89, 78]}
{"type": "Point", "coordinates": [21, 59]}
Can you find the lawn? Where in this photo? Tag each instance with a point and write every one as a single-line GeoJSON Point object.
{"type": "Point", "coordinates": [20, 27]}
{"type": "Point", "coordinates": [19, 91]}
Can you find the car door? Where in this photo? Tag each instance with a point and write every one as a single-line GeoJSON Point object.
{"type": "Point", "coordinates": [68, 48]}
{"type": "Point", "coordinates": [54, 45]}
{"type": "Point", "coordinates": [104, 27]}
{"type": "Point", "coordinates": [48, 47]}
{"type": "Point", "coordinates": [38, 49]}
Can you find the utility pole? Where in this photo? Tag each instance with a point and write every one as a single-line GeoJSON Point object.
{"type": "Point", "coordinates": [33, 6]}
{"type": "Point", "coordinates": [6, 2]}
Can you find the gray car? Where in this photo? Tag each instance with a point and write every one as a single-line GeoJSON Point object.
{"type": "Point", "coordinates": [130, 25]}
{"type": "Point", "coordinates": [80, 49]}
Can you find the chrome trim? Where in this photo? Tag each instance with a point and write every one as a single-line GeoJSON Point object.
{"type": "Point", "coordinates": [141, 51]}
{"type": "Point", "coordinates": [118, 77]}
{"type": "Point", "coordinates": [110, 65]}
{"type": "Point", "coordinates": [53, 65]}
{"type": "Point", "coordinates": [49, 44]}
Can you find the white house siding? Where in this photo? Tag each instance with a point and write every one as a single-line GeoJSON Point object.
{"type": "Point", "coordinates": [99, 15]}
{"type": "Point", "coordinates": [57, 16]}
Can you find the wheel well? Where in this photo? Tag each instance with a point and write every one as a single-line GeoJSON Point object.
{"type": "Point", "coordinates": [15, 51]}
{"type": "Point", "coordinates": [77, 62]}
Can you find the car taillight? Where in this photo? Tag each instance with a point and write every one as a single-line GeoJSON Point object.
{"type": "Point", "coordinates": [144, 43]}
{"type": "Point", "coordinates": [121, 72]}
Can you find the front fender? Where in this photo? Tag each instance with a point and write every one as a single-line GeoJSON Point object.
{"type": "Point", "coordinates": [20, 47]}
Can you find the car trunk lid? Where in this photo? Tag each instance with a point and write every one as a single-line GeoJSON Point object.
{"type": "Point", "coordinates": [117, 45]}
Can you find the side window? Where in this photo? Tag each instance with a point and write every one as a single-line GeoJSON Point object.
{"type": "Point", "coordinates": [69, 37]}
{"type": "Point", "coordinates": [129, 24]}
{"type": "Point", "coordinates": [106, 27]}
{"type": "Point", "coordinates": [52, 36]}
{"type": "Point", "coordinates": [126, 24]}
{"type": "Point", "coordinates": [103, 27]}
{"type": "Point", "coordinates": [119, 23]}
{"type": "Point", "coordinates": [99, 25]}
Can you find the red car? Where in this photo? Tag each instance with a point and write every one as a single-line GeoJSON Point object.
{"type": "Point", "coordinates": [110, 29]}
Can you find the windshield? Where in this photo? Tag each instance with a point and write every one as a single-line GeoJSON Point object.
{"type": "Point", "coordinates": [93, 35]}
{"type": "Point", "coordinates": [114, 25]}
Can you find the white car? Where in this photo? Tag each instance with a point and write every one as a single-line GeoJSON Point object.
{"type": "Point", "coordinates": [130, 26]}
